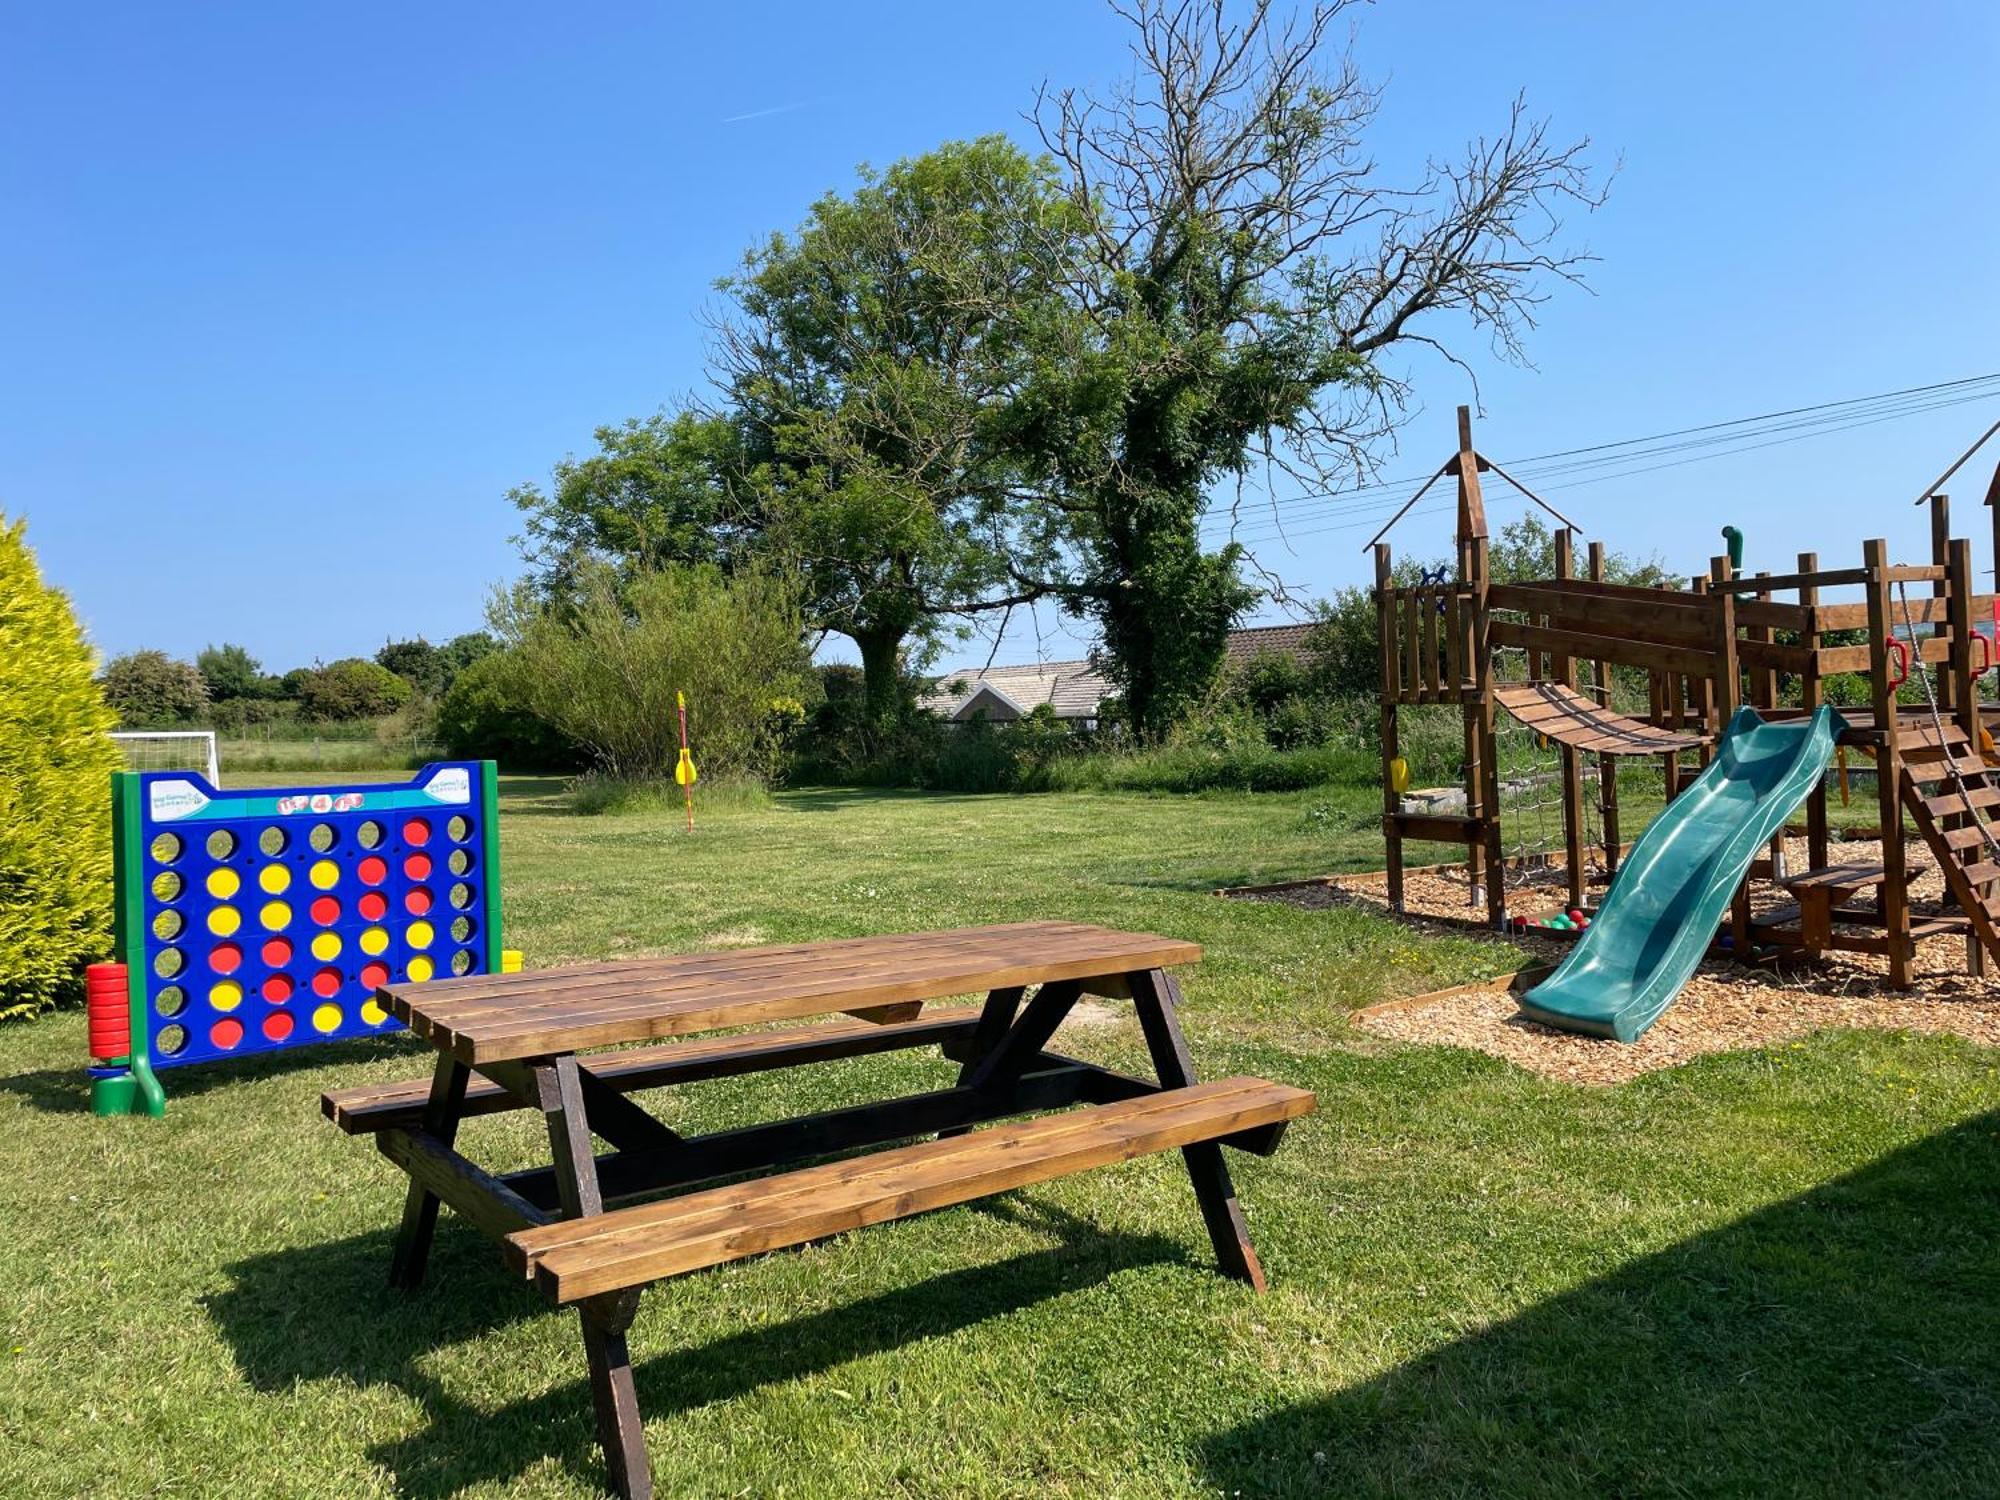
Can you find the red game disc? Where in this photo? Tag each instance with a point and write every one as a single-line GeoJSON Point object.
{"type": "Point", "coordinates": [225, 958]}
{"type": "Point", "coordinates": [417, 867]}
{"type": "Point", "coordinates": [325, 910]}
{"type": "Point", "coordinates": [416, 832]}
{"type": "Point", "coordinates": [374, 976]}
{"type": "Point", "coordinates": [326, 982]}
{"type": "Point", "coordinates": [226, 1033]}
{"type": "Point", "coordinates": [373, 870]}
{"type": "Point", "coordinates": [278, 1025]}
{"type": "Point", "coordinates": [277, 989]}
{"type": "Point", "coordinates": [373, 906]}
{"type": "Point", "coordinates": [277, 953]}
{"type": "Point", "coordinates": [416, 900]}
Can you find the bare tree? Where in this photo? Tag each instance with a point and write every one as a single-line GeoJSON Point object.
{"type": "Point", "coordinates": [1248, 268]}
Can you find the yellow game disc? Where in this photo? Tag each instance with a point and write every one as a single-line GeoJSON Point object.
{"type": "Point", "coordinates": [226, 995]}
{"type": "Point", "coordinates": [326, 946]}
{"type": "Point", "coordinates": [374, 940]}
{"type": "Point", "coordinates": [325, 874]}
{"type": "Point", "coordinates": [275, 916]}
{"type": "Point", "coordinates": [222, 884]}
{"type": "Point", "coordinates": [326, 1017]}
{"type": "Point", "coordinates": [419, 934]}
{"type": "Point", "coordinates": [223, 920]}
{"type": "Point", "coordinates": [421, 968]}
{"type": "Point", "coordinates": [275, 879]}
{"type": "Point", "coordinates": [372, 1012]}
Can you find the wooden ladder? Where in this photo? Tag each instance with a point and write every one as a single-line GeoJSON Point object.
{"type": "Point", "coordinates": [1943, 808]}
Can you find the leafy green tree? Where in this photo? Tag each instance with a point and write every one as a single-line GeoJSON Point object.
{"type": "Point", "coordinates": [55, 774]}
{"type": "Point", "coordinates": [1248, 269]}
{"type": "Point", "coordinates": [150, 689]}
{"type": "Point", "coordinates": [351, 689]}
{"type": "Point", "coordinates": [664, 489]}
{"type": "Point", "coordinates": [873, 359]}
{"type": "Point", "coordinates": [230, 671]}
{"type": "Point", "coordinates": [417, 662]}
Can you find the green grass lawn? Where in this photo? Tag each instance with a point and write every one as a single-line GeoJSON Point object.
{"type": "Point", "coordinates": [1763, 1273]}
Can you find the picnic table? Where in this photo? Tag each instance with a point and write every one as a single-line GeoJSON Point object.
{"type": "Point", "coordinates": [591, 1230]}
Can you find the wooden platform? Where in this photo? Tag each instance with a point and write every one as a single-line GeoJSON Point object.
{"type": "Point", "coordinates": [1570, 718]}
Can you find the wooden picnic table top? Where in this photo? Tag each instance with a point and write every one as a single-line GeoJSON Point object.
{"type": "Point", "coordinates": [504, 1017]}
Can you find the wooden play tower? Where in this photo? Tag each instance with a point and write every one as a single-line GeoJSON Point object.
{"type": "Point", "coordinates": [1772, 642]}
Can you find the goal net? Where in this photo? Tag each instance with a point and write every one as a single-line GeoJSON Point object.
{"type": "Point", "coordinates": [170, 750]}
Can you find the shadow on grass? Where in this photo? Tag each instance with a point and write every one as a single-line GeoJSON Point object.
{"type": "Point", "coordinates": [325, 1312]}
{"type": "Point", "coordinates": [1844, 1342]}
{"type": "Point", "coordinates": [67, 1090]}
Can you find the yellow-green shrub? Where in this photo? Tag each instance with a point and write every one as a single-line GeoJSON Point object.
{"type": "Point", "coordinates": [55, 804]}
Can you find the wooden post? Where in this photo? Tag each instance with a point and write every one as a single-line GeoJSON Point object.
{"type": "Point", "coordinates": [1724, 697]}
{"type": "Point", "coordinates": [1888, 766]}
{"type": "Point", "coordinates": [1946, 682]}
{"type": "Point", "coordinates": [1764, 697]}
{"type": "Point", "coordinates": [1563, 669]}
{"type": "Point", "coordinates": [1607, 765]}
{"type": "Point", "coordinates": [1392, 801]}
{"type": "Point", "coordinates": [1478, 710]}
{"type": "Point", "coordinates": [1809, 698]}
{"type": "Point", "coordinates": [1480, 719]}
{"type": "Point", "coordinates": [1962, 586]}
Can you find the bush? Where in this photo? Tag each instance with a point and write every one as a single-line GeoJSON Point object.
{"type": "Point", "coordinates": [604, 667]}
{"type": "Point", "coordinates": [483, 716]}
{"type": "Point", "coordinates": [55, 768]}
{"type": "Point", "coordinates": [150, 689]}
{"type": "Point", "coordinates": [351, 689]}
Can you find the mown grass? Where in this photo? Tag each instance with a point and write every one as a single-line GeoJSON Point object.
{"type": "Point", "coordinates": [1764, 1273]}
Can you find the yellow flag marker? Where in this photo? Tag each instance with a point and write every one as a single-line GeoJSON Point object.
{"type": "Point", "coordinates": [684, 771]}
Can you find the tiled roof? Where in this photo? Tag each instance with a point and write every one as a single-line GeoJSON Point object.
{"type": "Point", "coordinates": [1074, 689]}
{"type": "Point", "coordinates": [1069, 687]}
{"type": "Point", "coordinates": [1244, 645]}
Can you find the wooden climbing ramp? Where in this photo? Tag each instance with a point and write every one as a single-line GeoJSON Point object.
{"type": "Point", "coordinates": [1569, 717]}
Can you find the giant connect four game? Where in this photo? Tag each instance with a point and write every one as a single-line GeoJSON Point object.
{"type": "Point", "coordinates": [258, 920]}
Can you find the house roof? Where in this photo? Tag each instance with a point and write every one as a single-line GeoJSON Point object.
{"type": "Point", "coordinates": [1074, 689]}
{"type": "Point", "coordinates": [1245, 645]}
{"type": "Point", "coordinates": [1071, 688]}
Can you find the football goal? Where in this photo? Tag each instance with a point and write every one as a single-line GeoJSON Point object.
{"type": "Point", "coordinates": [170, 750]}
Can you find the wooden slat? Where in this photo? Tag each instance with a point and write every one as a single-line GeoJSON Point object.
{"type": "Point", "coordinates": [1832, 578]}
{"type": "Point", "coordinates": [1433, 665]}
{"type": "Point", "coordinates": [1773, 656]}
{"type": "Point", "coordinates": [1438, 828]}
{"type": "Point", "coordinates": [1668, 658]}
{"type": "Point", "coordinates": [1857, 658]}
{"type": "Point", "coordinates": [1679, 619]}
{"type": "Point", "coordinates": [496, 1018]}
{"type": "Point", "coordinates": [630, 1247]}
{"type": "Point", "coordinates": [385, 1106]}
{"type": "Point", "coordinates": [1413, 645]}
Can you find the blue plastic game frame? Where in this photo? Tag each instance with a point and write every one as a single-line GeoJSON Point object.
{"type": "Point", "coordinates": [262, 920]}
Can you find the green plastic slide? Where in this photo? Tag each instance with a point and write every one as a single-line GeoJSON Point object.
{"type": "Point", "coordinates": [1670, 895]}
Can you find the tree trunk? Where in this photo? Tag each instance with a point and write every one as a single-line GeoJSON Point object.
{"type": "Point", "coordinates": [881, 671]}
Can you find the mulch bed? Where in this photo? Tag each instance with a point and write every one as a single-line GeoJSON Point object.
{"type": "Point", "coordinates": [1725, 1006]}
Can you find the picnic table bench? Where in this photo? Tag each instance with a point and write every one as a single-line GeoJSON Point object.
{"type": "Point", "coordinates": [591, 1230]}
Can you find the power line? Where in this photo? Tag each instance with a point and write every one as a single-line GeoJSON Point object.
{"type": "Point", "coordinates": [1618, 460]}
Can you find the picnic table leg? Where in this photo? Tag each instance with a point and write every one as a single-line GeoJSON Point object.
{"type": "Point", "coordinates": [604, 1319]}
{"type": "Point", "coordinates": [1156, 996]}
{"type": "Point", "coordinates": [420, 1208]}
{"type": "Point", "coordinates": [995, 1017]}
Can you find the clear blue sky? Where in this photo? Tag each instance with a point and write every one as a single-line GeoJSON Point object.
{"type": "Point", "coordinates": [290, 296]}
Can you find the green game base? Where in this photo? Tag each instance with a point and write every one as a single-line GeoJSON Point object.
{"type": "Point", "coordinates": [113, 1096]}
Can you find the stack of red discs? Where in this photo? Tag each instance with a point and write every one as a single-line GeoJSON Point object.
{"type": "Point", "coordinates": [107, 1005]}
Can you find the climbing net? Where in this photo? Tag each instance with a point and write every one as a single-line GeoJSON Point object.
{"type": "Point", "coordinates": [1531, 790]}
